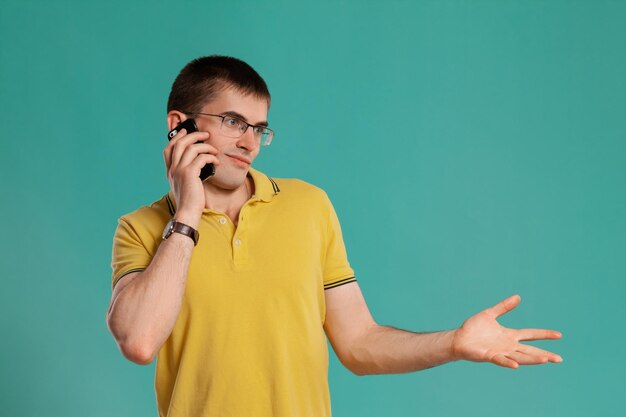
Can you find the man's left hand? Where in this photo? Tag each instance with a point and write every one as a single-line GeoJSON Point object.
{"type": "Point", "coordinates": [482, 339]}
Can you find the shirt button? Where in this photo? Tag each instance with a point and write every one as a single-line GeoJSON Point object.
{"type": "Point", "coordinates": [222, 220]}
{"type": "Point", "coordinates": [238, 242]}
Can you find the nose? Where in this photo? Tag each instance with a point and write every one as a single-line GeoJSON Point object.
{"type": "Point", "coordinates": [247, 140]}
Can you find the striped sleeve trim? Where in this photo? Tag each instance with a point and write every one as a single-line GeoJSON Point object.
{"type": "Point", "coordinates": [170, 205]}
{"type": "Point", "coordinates": [339, 283]}
{"type": "Point", "coordinates": [130, 271]}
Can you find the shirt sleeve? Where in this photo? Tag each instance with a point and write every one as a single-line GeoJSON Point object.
{"type": "Point", "coordinates": [129, 253]}
{"type": "Point", "coordinates": [337, 270]}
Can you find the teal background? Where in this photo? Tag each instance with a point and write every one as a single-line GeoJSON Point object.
{"type": "Point", "coordinates": [472, 150]}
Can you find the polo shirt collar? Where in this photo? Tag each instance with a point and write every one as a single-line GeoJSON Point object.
{"type": "Point", "coordinates": [265, 188]}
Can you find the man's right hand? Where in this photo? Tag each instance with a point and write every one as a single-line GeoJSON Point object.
{"type": "Point", "coordinates": [184, 159]}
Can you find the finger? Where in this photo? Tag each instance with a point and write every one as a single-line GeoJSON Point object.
{"type": "Point", "coordinates": [532, 350]}
{"type": "Point", "coordinates": [178, 148]}
{"type": "Point", "coordinates": [167, 152]}
{"type": "Point", "coordinates": [193, 151]}
{"type": "Point", "coordinates": [504, 361]}
{"type": "Point", "coordinates": [537, 334]}
{"type": "Point", "coordinates": [200, 161]}
{"type": "Point", "coordinates": [504, 306]}
{"type": "Point", "coordinates": [526, 359]}
{"type": "Point", "coordinates": [172, 144]}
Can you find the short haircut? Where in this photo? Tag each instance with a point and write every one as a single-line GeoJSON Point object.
{"type": "Point", "coordinates": [199, 82]}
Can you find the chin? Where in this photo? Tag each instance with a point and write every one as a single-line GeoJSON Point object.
{"type": "Point", "coordinates": [228, 180]}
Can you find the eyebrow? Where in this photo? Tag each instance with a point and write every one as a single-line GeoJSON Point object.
{"type": "Point", "coordinates": [242, 117]}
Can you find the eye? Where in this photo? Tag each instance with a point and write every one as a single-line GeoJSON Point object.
{"type": "Point", "coordinates": [258, 130]}
{"type": "Point", "coordinates": [231, 121]}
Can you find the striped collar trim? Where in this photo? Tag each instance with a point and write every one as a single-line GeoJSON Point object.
{"type": "Point", "coordinates": [265, 188]}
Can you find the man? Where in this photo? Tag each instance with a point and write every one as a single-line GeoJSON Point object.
{"type": "Point", "coordinates": [234, 282]}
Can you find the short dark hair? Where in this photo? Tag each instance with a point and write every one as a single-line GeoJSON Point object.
{"type": "Point", "coordinates": [202, 79]}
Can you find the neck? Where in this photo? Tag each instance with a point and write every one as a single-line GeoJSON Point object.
{"type": "Point", "coordinates": [228, 202]}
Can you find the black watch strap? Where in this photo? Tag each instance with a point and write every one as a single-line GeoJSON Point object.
{"type": "Point", "coordinates": [177, 227]}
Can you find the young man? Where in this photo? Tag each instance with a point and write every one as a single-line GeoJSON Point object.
{"type": "Point", "coordinates": [234, 282]}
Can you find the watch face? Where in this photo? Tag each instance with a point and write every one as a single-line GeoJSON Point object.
{"type": "Point", "coordinates": [168, 229]}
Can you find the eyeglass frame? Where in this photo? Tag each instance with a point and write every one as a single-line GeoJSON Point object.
{"type": "Point", "coordinates": [223, 117]}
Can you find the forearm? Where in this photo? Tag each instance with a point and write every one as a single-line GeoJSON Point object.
{"type": "Point", "coordinates": [387, 350]}
{"type": "Point", "coordinates": [143, 315]}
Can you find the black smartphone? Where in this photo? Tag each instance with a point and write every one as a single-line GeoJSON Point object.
{"type": "Point", "coordinates": [190, 126]}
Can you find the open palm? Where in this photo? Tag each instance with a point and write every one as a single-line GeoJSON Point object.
{"type": "Point", "coordinates": [482, 339]}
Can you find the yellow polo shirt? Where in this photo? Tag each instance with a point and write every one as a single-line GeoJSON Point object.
{"type": "Point", "coordinates": [249, 340]}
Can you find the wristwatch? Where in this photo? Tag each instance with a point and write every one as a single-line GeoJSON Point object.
{"type": "Point", "coordinates": [176, 227]}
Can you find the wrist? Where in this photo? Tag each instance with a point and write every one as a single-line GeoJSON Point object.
{"type": "Point", "coordinates": [455, 354]}
{"type": "Point", "coordinates": [177, 227]}
{"type": "Point", "coordinates": [188, 218]}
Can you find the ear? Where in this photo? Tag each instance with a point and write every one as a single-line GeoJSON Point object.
{"type": "Point", "coordinates": [174, 118]}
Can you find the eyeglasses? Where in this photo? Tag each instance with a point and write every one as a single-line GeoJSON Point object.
{"type": "Point", "coordinates": [234, 127]}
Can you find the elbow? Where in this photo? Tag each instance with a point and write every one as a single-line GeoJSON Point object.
{"type": "Point", "coordinates": [135, 351]}
{"type": "Point", "coordinates": [362, 359]}
{"type": "Point", "coordinates": [354, 365]}
{"type": "Point", "coordinates": [357, 369]}
{"type": "Point", "coordinates": [357, 355]}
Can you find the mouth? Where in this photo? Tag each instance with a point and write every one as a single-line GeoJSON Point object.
{"type": "Point", "coordinates": [240, 159]}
